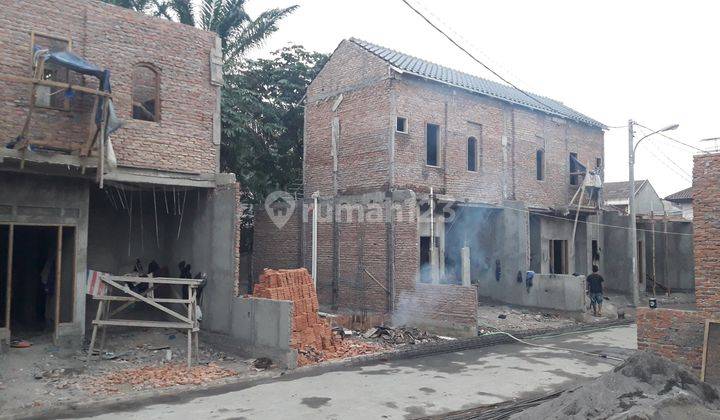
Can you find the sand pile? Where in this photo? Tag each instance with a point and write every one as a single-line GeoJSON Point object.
{"type": "Point", "coordinates": [646, 386]}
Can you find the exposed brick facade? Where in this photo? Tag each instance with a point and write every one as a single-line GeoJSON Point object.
{"type": "Point", "coordinates": [373, 95]}
{"type": "Point", "coordinates": [276, 247]}
{"type": "Point", "coordinates": [672, 333]}
{"type": "Point", "coordinates": [448, 309]}
{"type": "Point", "coordinates": [678, 334]}
{"type": "Point", "coordinates": [117, 39]}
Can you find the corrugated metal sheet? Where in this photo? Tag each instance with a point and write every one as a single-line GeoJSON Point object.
{"type": "Point", "coordinates": [472, 83]}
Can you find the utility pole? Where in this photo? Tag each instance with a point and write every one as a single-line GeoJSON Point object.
{"type": "Point", "coordinates": [632, 237]}
{"type": "Point", "coordinates": [632, 241]}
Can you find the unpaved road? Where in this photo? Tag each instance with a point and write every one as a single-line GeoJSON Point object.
{"type": "Point", "coordinates": [412, 388]}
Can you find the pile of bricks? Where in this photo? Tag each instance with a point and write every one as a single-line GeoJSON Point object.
{"type": "Point", "coordinates": [308, 329]}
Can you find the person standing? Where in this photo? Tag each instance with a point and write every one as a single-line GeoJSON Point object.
{"type": "Point", "coordinates": [595, 290]}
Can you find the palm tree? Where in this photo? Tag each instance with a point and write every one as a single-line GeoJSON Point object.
{"type": "Point", "coordinates": [238, 31]}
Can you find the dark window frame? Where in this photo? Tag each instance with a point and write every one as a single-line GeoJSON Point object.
{"type": "Point", "coordinates": [435, 161]}
{"type": "Point", "coordinates": [472, 157]}
{"type": "Point", "coordinates": [540, 165]}
{"type": "Point", "coordinates": [574, 179]}
{"type": "Point", "coordinates": [405, 125]}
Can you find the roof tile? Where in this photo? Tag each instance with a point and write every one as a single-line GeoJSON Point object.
{"type": "Point", "coordinates": [475, 84]}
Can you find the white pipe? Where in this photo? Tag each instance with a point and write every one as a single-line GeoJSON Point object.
{"type": "Point", "coordinates": [314, 237]}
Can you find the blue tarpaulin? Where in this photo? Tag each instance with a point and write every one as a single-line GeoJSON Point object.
{"type": "Point", "coordinates": [78, 64]}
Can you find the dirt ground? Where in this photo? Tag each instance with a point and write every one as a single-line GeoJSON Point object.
{"type": "Point", "coordinates": [45, 375]}
{"type": "Point", "coordinates": [494, 315]}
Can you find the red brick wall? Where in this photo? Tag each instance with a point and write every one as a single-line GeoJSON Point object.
{"type": "Point", "coordinates": [273, 247]}
{"type": "Point", "coordinates": [367, 114]}
{"type": "Point", "coordinates": [675, 334]}
{"type": "Point", "coordinates": [116, 38]}
{"type": "Point", "coordinates": [706, 227]}
{"type": "Point", "coordinates": [449, 309]}
{"type": "Point", "coordinates": [679, 334]}
{"type": "Point", "coordinates": [364, 115]}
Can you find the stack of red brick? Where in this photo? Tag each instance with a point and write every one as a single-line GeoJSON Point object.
{"type": "Point", "coordinates": [308, 329]}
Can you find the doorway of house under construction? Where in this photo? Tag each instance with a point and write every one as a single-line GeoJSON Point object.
{"type": "Point", "coordinates": [36, 266]}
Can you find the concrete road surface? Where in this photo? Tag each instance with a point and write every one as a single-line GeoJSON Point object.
{"type": "Point", "coordinates": [415, 387]}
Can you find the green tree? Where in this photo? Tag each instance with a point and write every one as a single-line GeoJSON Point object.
{"type": "Point", "coordinates": [238, 31]}
{"type": "Point", "coordinates": [262, 120]}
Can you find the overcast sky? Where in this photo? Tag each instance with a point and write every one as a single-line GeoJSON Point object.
{"type": "Point", "coordinates": [653, 61]}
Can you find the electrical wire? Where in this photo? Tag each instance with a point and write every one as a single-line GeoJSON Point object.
{"type": "Point", "coordinates": [527, 343]}
{"type": "Point", "coordinates": [585, 222]}
{"type": "Point", "coordinates": [488, 68]}
{"type": "Point", "coordinates": [670, 138]}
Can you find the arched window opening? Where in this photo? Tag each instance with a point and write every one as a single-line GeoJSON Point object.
{"type": "Point", "coordinates": [145, 93]}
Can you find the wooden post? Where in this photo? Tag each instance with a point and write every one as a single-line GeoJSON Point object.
{"type": "Point", "coordinates": [58, 274]}
{"type": "Point", "coordinates": [189, 348]}
{"type": "Point", "coordinates": [8, 286]}
{"type": "Point", "coordinates": [98, 314]}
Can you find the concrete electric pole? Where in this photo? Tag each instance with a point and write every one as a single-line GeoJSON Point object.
{"type": "Point", "coordinates": [632, 237]}
{"type": "Point", "coordinates": [632, 241]}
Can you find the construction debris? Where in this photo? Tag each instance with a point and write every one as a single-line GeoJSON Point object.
{"type": "Point", "coordinates": [156, 377]}
{"type": "Point", "coordinates": [262, 363]}
{"type": "Point", "coordinates": [646, 386]}
{"type": "Point", "coordinates": [400, 336]}
{"type": "Point", "coordinates": [343, 348]}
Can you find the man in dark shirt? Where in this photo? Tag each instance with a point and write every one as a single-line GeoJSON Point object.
{"type": "Point", "coordinates": [595, 290]}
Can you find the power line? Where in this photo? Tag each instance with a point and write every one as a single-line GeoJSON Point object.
{"type": "Point", "coordinates": [682, 172]}
{"type": "Point", "coordinates": [449, 38]}
{"type": "Point", "coordinates": [670, 138]}
{"type": "Point", "coordinates": [421, 5]}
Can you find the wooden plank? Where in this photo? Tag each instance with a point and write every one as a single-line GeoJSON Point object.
{"type": "Point", "coordinates": [710, 372]}
{"type": "Point", "coordinates": [132, 299]}
{"type": "Point", "coordinates": [149, 301]}
{"type": "Point", "coordinates": [129, 303]}
{"type": "Point", "coordinates": [58, 274]}
{"type": "Point", "coordinates": [8, 286]}
{"type": "Point", "coordinates": [92, 131]}
{"type": "Point", "coordinates": [142, 323]}
{"type": "Point", "coordinates": [98, 314]}
{"type": "Point", "coordinates": [53, 83]}
{"type": "Point", "coordinates": [159, 280]}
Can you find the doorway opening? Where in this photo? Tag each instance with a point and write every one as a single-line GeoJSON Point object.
{"type": "Point", "coordinates": [38, 267]}
{"type": "Point", "coordinates": [595, 253]}
{"type": "Point", "coordinates": [558, 257]}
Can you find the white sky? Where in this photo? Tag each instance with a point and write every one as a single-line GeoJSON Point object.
{"type": "Point", "coordinates": [653, 61]}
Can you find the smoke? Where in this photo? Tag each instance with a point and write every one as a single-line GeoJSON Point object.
{"type": "Point", "coordinates": [470, 227]}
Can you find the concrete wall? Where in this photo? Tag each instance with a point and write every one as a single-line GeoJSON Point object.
{"type": "Point", "coordinates": [46, 200]}
{"type": "Point", "coordinates": [550, 291]}
{"type": "Point", "coordinates": [262, 328]}
{"type": "Point", "coordinates": [615, 255]}
{"type": "Point", "coordinates": [677, 270]}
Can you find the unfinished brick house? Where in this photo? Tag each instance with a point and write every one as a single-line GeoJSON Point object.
{"type": "Point", "coordinates": [78, 196]}
{"type": "Point", "coordinates": [393, 134]}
